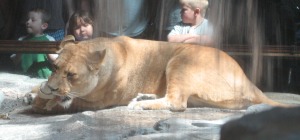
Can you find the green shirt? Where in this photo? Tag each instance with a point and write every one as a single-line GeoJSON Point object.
{"type": "Point", "coordinates": [36, 65]}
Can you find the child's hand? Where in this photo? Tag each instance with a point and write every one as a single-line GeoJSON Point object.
{"type": "Point", "coordinates": [52, 57]}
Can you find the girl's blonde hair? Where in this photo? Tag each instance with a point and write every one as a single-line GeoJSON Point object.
{"type": "Point", "coordinates": [202, 4]}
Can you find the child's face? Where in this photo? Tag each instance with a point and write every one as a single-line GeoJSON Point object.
{"type": "Point", "coordinates": [34, 24]}
{"type": "Point", "coordinates": [83, 31]}
{"type": "Point", "coordinates": [187, 14]}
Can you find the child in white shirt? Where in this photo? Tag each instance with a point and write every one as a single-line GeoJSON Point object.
{"type": "Point", "coordinates": [193, 28]}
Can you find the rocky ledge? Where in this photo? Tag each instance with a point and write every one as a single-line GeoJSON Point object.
{"type": "Point", "coordinates": [18, 122]}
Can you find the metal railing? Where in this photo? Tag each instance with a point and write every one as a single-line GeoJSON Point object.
{"type": "Point", "coordinates": [266, 50]}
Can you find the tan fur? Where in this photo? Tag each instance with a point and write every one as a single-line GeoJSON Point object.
{"type": "Point", "coordinates": [111, 72]}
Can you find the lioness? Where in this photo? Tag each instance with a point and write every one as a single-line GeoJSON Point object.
{"type": "Point", "coordinates": [103, 72]}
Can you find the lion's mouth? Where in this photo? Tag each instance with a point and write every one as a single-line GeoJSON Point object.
{"type": "Point", "coordinates": [64, 101]}
{"type": "Point", "coordinates": [58, 98]}
{"type": "Point", "coordinates": [48, 94]}
{"type": "Point", "coordinates": [61, 99]}
{"type": "Point", "coordinates": [64, 98]}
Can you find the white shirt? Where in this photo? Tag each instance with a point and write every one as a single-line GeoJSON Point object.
{"type": "Point", "coordinates": [203, 29]}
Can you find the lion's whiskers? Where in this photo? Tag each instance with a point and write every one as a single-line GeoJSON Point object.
{"type": "Point", "coordinates": [70, 95]}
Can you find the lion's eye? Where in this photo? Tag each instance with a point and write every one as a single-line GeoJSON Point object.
{"type": "Point", "coordinates": [70, 75]}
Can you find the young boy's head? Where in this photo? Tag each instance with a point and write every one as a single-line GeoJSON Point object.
{"type": "Point", "coordinates": [37, 21]}
{"type": "Point", "coordinates": [81, 25]}
{"type": "Point", "coordinates": [192, 8]}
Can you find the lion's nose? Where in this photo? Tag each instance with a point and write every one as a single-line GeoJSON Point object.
{"type": "Point", "coordinates": [52, 89]}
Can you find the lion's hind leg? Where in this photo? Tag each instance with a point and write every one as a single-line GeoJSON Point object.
{"type": "Point", "coordinates": [177, 91]}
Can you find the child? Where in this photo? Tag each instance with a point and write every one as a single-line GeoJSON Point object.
{"type": "Point", "coordinates": [37, 65]}
{"type": "Point", "coordinates": [194, 28]}
{"type": "Point", "coordinates": [81, 26]}
{"type": "Point", "coordinates": [56, 8]}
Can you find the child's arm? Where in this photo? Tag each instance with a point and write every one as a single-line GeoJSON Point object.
{"type": "Point", "coordinates": [51, 57]}
{"type": "Point", "coordinates": [178, 34]}
{"type": "Point", "coordinates": [191, 38]}
{"type": "Point", "coordinates": [200, 39]}
{"type": "Point", "coordinates": [180, 38]}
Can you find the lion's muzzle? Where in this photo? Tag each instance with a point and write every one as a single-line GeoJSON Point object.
{"type": "Point", "coordinates": [45, 92]}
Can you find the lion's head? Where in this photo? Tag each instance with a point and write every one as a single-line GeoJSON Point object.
{"type": "Point", "coordinates": [76, 71]}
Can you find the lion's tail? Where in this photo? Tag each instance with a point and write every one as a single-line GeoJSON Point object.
{"type": "Point", "coordinates": [262, 98]}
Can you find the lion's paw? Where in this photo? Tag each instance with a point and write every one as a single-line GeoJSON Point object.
{"type": "Point", "coordinates": [134, 105]}
{"type": "Point", "coordinates": [142, 96]}
{"type": "Point", "coordinates": [157, 104]}
{"type": "Point", "coordinates": [28, 98]}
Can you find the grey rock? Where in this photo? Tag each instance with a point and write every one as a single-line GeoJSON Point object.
{"type": "Point", "coordinates": [1, 98]}
{"type": "Point", "coordinates": [258, 108]}
{"type": "Point", "coordinates": [179, 128]}
{"type": "Point", "coordinates": [274, 124]}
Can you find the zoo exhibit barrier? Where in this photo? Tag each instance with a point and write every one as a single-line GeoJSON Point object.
{"type": "Point", "coordinates": [12, 46]}
{"type": "Point", "coordinates": [266, 50]}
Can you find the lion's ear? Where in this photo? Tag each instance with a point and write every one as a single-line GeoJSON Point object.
{"type": "Point", "coordinates": [68, 39]}
{"type": "Point", "coordinates": [95, 59]}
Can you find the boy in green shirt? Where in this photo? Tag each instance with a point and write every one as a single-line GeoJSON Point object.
{"type": "Point", "coordinates": [36, 65]}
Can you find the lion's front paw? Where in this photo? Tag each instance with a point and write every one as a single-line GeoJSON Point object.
{"type": "Point", "coordinates": [157, 104]}
{"type": "Point", "coordinates": [28, 98]}
{"type": "Point", "coordinates": [135, 105]}
{"type": "Point", "coordinates": [142, 96]}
